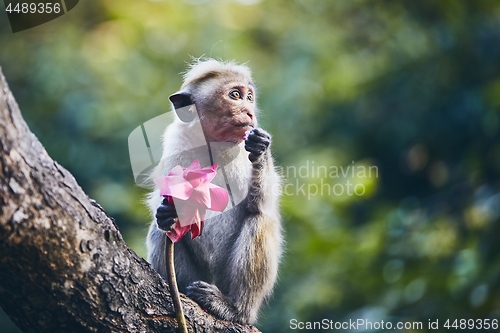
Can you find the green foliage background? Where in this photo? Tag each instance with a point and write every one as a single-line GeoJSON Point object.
{"type": "Point", "coordinates": [410, 87]}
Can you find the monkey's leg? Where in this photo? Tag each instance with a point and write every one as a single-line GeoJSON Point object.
{"type": "Point", "coordinates": [249, 276]}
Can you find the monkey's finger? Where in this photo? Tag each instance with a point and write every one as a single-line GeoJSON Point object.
{"type": "Point", "coordinates": [254, 155]}
{"type": "Point", "coordinates": [259, 138]}
{"type": "Point", "coordinates": [256, 148]}
{"type": "Point", "coordinates": [258, 141]}
{"type": "Point", "coordinates": [259, 133]}
{"type": "Point", "coordinates": [166, 207]}
{"type": "Point", "coordinates": [262, 145]}
{"type": "Point", "coordinates": [166, 224]}
{"type": "Point", "coordinates": [163, 208]}
{"type": "Point", "coordinates": [163, 214]}
{"type": "Point", "coordinates": [255, 152]}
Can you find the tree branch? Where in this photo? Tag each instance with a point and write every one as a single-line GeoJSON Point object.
{"type": "Point", "coordinates": [64, 266]}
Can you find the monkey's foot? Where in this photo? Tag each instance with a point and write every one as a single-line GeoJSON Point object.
{"type": "Point", "coordinates": [211, 299]}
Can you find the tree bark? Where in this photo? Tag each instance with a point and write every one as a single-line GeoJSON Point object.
{"type": "Point", "coordinates": [64, 266]}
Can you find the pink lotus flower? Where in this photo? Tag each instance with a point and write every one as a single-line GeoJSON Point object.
{"type": "Point", "coordinates": [193, 194]}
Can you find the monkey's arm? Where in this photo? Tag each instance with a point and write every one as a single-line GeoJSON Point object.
{"type": "Point", "coordinates": [263, 192]}
{"type": "Point", "coordinates": [253, 263]}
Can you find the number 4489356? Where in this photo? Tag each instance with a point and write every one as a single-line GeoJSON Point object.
{"type": "Point", "coordinates": [40, 8]}
{"type": "Point", "coordinates": [462, 324]}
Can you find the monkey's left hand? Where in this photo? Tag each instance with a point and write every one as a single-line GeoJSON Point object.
{"type": "Point", "coordinates": [166, 216]}
{"type": "Point", "coordinates": [257, 142]}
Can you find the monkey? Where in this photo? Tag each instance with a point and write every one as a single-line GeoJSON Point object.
{"type": "Point", "coordinates": [230, 270]}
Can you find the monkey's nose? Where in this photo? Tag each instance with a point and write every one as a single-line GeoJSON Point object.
{"type": "Point", "coordinates": [250, 115]}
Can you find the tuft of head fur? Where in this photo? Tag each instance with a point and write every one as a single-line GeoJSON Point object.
{"type": "Point", "coordinates": [201, 70]}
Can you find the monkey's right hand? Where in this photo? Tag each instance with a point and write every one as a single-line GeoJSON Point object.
{"type": "Point", "coordinates": [166, 216]}
{"type": "Point", "coordinates": [256, 143]}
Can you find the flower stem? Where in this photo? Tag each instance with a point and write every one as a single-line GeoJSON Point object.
{"type": "Point", "coordinates": [172, 283]}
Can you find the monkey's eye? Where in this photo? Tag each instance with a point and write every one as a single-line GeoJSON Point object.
{"type": "Point", "coordinates": [235, 94]}
{"type": "Point", "coordinates": [250, 97]}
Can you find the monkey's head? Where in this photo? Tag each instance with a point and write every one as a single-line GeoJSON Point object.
{"type": "Point", "coordinates": [224, 96]}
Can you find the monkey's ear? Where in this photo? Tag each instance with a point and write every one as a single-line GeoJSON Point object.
{"type": "Point", "coordinates": [184, 106]}
{"type": "Point", "coordinates": [181, 99]}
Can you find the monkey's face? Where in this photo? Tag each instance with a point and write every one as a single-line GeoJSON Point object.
{"type": "Point", "coordinates": [230, 112]}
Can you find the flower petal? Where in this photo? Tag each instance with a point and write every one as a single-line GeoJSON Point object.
{"type": "Point", "coordinates": [194, 166]}
{"type": "Point", "coordinates": [177, 233]}
{"type": "Point", "coordinates": [200, 176]}
{"type": "Point", "coordinates": [176, 171]}
{"type": "Point", "coordinates": [196, 229]}
{"type": "Point", "coordinates": [201, 196]}
{"type": "Point", "coordinates": [218, 198]}
{"type": "Point", "coordinates": [189, 213]}
{"type": "Point", "coordinates": [180, 189]}
{"type": "Point", "coordinates": [162, 185]}
{"type": "Point", "coordinates": [191, 191]}
{"type": "Point", "coordinates": [174, 186]}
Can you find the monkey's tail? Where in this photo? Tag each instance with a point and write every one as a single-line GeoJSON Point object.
{"type": "Point", "coordinates": [172, 283]}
